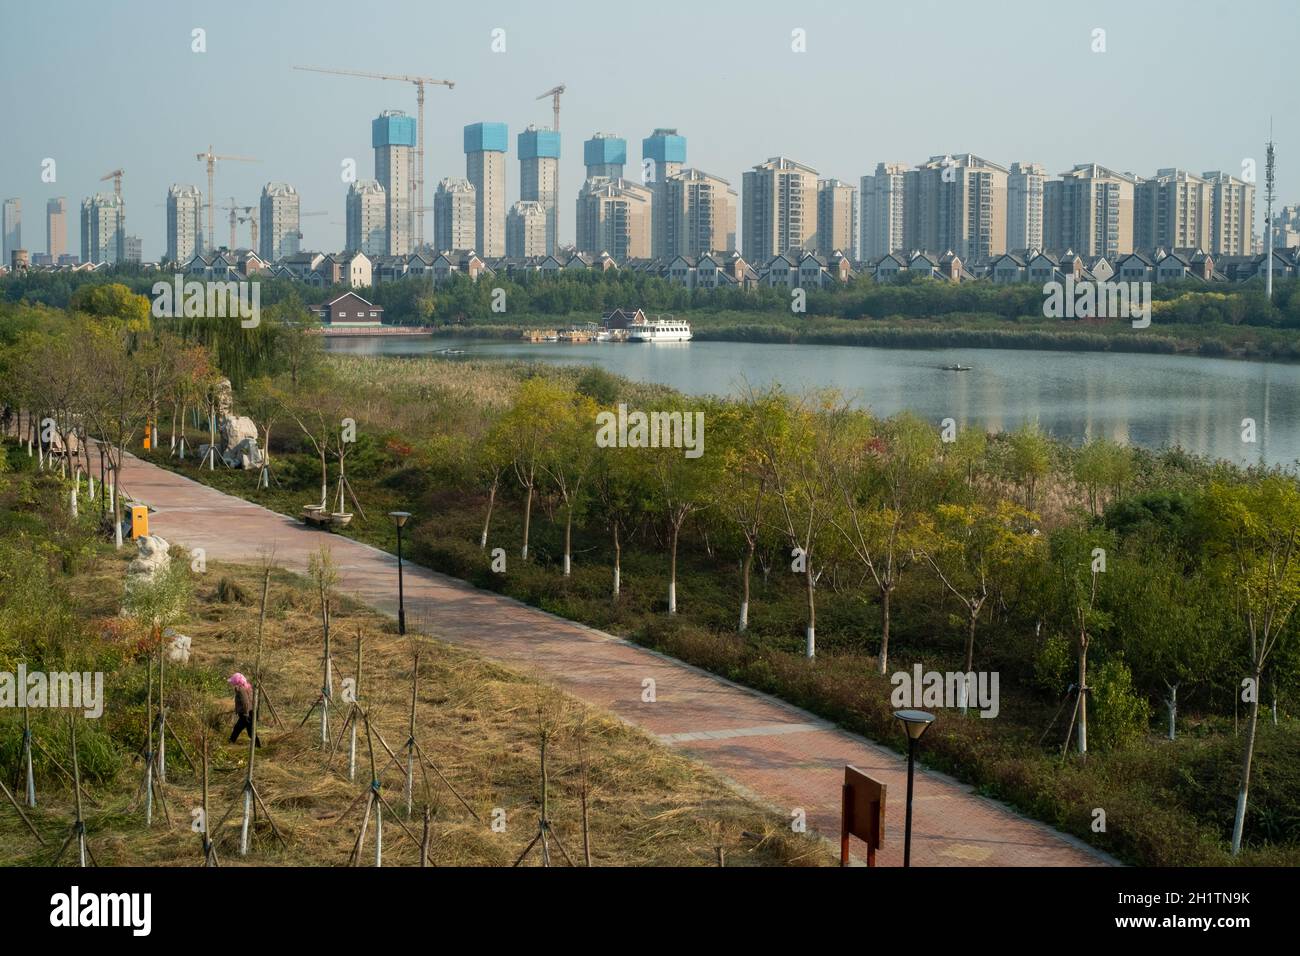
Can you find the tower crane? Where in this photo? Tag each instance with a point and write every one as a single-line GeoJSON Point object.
{"type": "Point", "coordinates": [116, 175]}
{"type": "Point", "coordinates": [212, 159]}
{"type": "Point", "coordinates": [555, 93]}
{"type": "Point", "coordinates": [420, 82]}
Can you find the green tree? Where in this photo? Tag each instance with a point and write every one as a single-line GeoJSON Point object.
{"type": "Point", "coordinates": [973, 549]}
{"type": "Point", "coordinates": [882, 475]}
{"type": "Point", "coordinates": [1256, 529]}
{"type": "Point", "coordinates": [1028, 460]}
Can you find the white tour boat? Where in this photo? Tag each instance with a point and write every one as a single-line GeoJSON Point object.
{"type": "Point", "coordinates": [660, 330]}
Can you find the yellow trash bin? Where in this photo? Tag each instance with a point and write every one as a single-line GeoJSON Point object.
{"type": "Point", "coordinates": [139, 521]}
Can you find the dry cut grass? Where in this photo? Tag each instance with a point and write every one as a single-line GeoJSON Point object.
{"type": "Point", "coordinates": [481, 723]}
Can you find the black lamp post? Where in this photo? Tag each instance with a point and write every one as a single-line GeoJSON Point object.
{"type": "Point", "coordinates": [915, 723]}
{"type": "Point", "coordinates": [399, 519]}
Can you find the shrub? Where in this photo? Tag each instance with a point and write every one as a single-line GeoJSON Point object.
{"type": "Point", "coordinates": [1120, 715]}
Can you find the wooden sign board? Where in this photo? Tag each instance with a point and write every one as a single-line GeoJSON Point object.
{"type": "Point", "coordinates": [863, 813]}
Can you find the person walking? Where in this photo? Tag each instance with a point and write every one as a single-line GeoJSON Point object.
{"type": "Point", "coordinates": [243, 708]}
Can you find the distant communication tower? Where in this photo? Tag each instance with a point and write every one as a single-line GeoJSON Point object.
{"type": "Point", "coordinates": [1269, 180]}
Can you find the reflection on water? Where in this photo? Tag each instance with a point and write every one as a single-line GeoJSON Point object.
{"type": "Point", "coordinates": [1149, 400]}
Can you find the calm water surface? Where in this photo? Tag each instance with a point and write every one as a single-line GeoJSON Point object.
{"type": "Point", "coordinates": [1148, 400]}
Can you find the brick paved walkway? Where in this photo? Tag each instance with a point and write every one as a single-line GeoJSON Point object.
{"type": "Point", "coordinates": [779, 754]}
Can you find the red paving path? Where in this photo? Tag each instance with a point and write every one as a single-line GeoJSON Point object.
{"type": "Point", "coordinates": [779, 754]}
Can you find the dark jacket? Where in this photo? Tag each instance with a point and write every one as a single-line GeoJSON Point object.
{"type": "Point", "coordinates": [244, 701]}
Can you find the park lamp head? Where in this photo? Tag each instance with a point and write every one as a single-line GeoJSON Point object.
{"type": "Point", "coordinates": [399, 517]}
{"type": "Point", "coordinates": [915, 722]}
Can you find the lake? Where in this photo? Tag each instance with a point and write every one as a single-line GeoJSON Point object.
{"type": "Point", "coordinates": [1149, 400]}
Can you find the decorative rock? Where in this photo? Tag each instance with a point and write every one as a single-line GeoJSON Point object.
{"type": "Point", "coordinates": [153, 557]}
{"type": "Point", "coordinates": [178, 647]}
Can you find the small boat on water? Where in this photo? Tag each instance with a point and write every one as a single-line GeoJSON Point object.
{"type": "Point", "coordinates": [451, 351]}
{"type": "Point", "coordinates": [956, 368]}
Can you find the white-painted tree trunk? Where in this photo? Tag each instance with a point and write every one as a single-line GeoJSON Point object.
{"type": "Point", "coordinates": [379, 833]}
{"type": "Point", "coordinates": [672, 597]}
{"type": "Point", "coordinates": [811, 633]}
{"type": "Point", "coordinates": [248, 814]}
{"type": "Point", "coordinates": [617, 580]}
{"type": "Point", "coordinates": [352, 753]}
{"type": "Point", "coordinates": [744, 616]}
{"type": "Point", "coordinates": [1171, 703]}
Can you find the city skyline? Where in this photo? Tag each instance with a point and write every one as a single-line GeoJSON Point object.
{"type": "Point", "coordinates": [1023, 55]}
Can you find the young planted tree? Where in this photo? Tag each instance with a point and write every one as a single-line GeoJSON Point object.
{"type": "Point", "coordinates": [796, 450]}
{"type": "Point", "coordinates": [117, 404]}
{"type": "Point", "coordinates": [974, 549]}
{"type": "Point", "coordinates": [679, 486]}
{"type": "Point", "coordinates": [524, 434]}
{"type": "Point", "coordinates": [319, 413]}
{"type": "Point", "coordinates": [1256, 529]}
{"type": "Point", "coordinates": [195, 376]}
{"type": "Point", "coordinates": [265, 402]}
{"type": "Point", "coordinates": [568, 459]}
{"type": "Point", "coordinates": [882, 475]}
{"type": "Point", "coordinates": [1078, 558]}
{"type": "Point", "coordinates": [617, 479]}
{"type": "Point", "coordinates": [744, 497]}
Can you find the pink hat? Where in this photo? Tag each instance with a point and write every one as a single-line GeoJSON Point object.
{"type": "Point", "coordinates": [238, 680]}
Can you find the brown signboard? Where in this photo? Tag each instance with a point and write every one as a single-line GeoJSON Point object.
{"type": "Point", "coordinates": [863, 813]}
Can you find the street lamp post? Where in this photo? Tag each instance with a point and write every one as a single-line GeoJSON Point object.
{"type": "Point", "coordinates": [399, 519]}
{"type": "Point", "coordinates": [915, 723]}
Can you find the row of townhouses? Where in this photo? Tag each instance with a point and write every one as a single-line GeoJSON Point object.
{"type": "Point", "coordinates": [789, 270]}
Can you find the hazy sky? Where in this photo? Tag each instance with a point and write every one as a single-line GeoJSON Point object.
{"type": "Point", "coordinates": [99, 85]}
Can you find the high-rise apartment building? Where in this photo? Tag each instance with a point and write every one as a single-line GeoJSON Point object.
{"type": "Point", "coordinates": [11, 227]}
{"type": "Point", "coordinates": [1232, 214]}
{"type": "Point", "coordinates": [1172, 211]}
{"type": "Point", "coordinates": [604, 156]}
{"type": "Point", "coordinates": [366, 218]}
{"type": "Point", "coordinates": [103, 229]}
{"type": "Point", "coordinates": [485, 168]}
{"type": "Point", "coordinates": [699, 212]}
{"type": "Point", "coordinates": [663, 154]}
{"type": "Point", "coordinates": [455, 216]}
{"type": "Point", "coordinates": [279, 231]}
{"type": "Point", "coordinates": [527, 232]}
{"type": "Point", "coordinates": [958, 204]}
{"type": "Point", "coordinates": [184, 222]}
{"type": "Point", "coordinates": [56, 228]}
{"type": "Point", "coordinates": [133, 250]}
{"type": "Point", "coordinates": [392, 134]}
{"type": "Point", "coordinates": [614, 216]}
{"type": "Point", "coordinates": [884, 198]}
{"type": "Point", "coordinates": [539, 176]}
{"type": "Point", "coordinates": [779, 208]}
{"type": "Point", "coordinates": [1286, 227]}
{"type": "Point", "coordinates": [837, 218]}
{"type": "Point", "coordinates": [1089, 210]}
{"type": "Point", "coordinates": [1025, 185]}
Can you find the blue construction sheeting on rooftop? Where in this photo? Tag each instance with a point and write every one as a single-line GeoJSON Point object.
{"type": "Point", "coordinates": [486, 137]}
{"type": "Point", "coordinates": [664, 149]}
{"type": "Point", "coordinates": [539, 143]}
{"type": "Point", "coordinates": [602, 152]}
{"type": "Point", "coordinates": [392, 131]}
